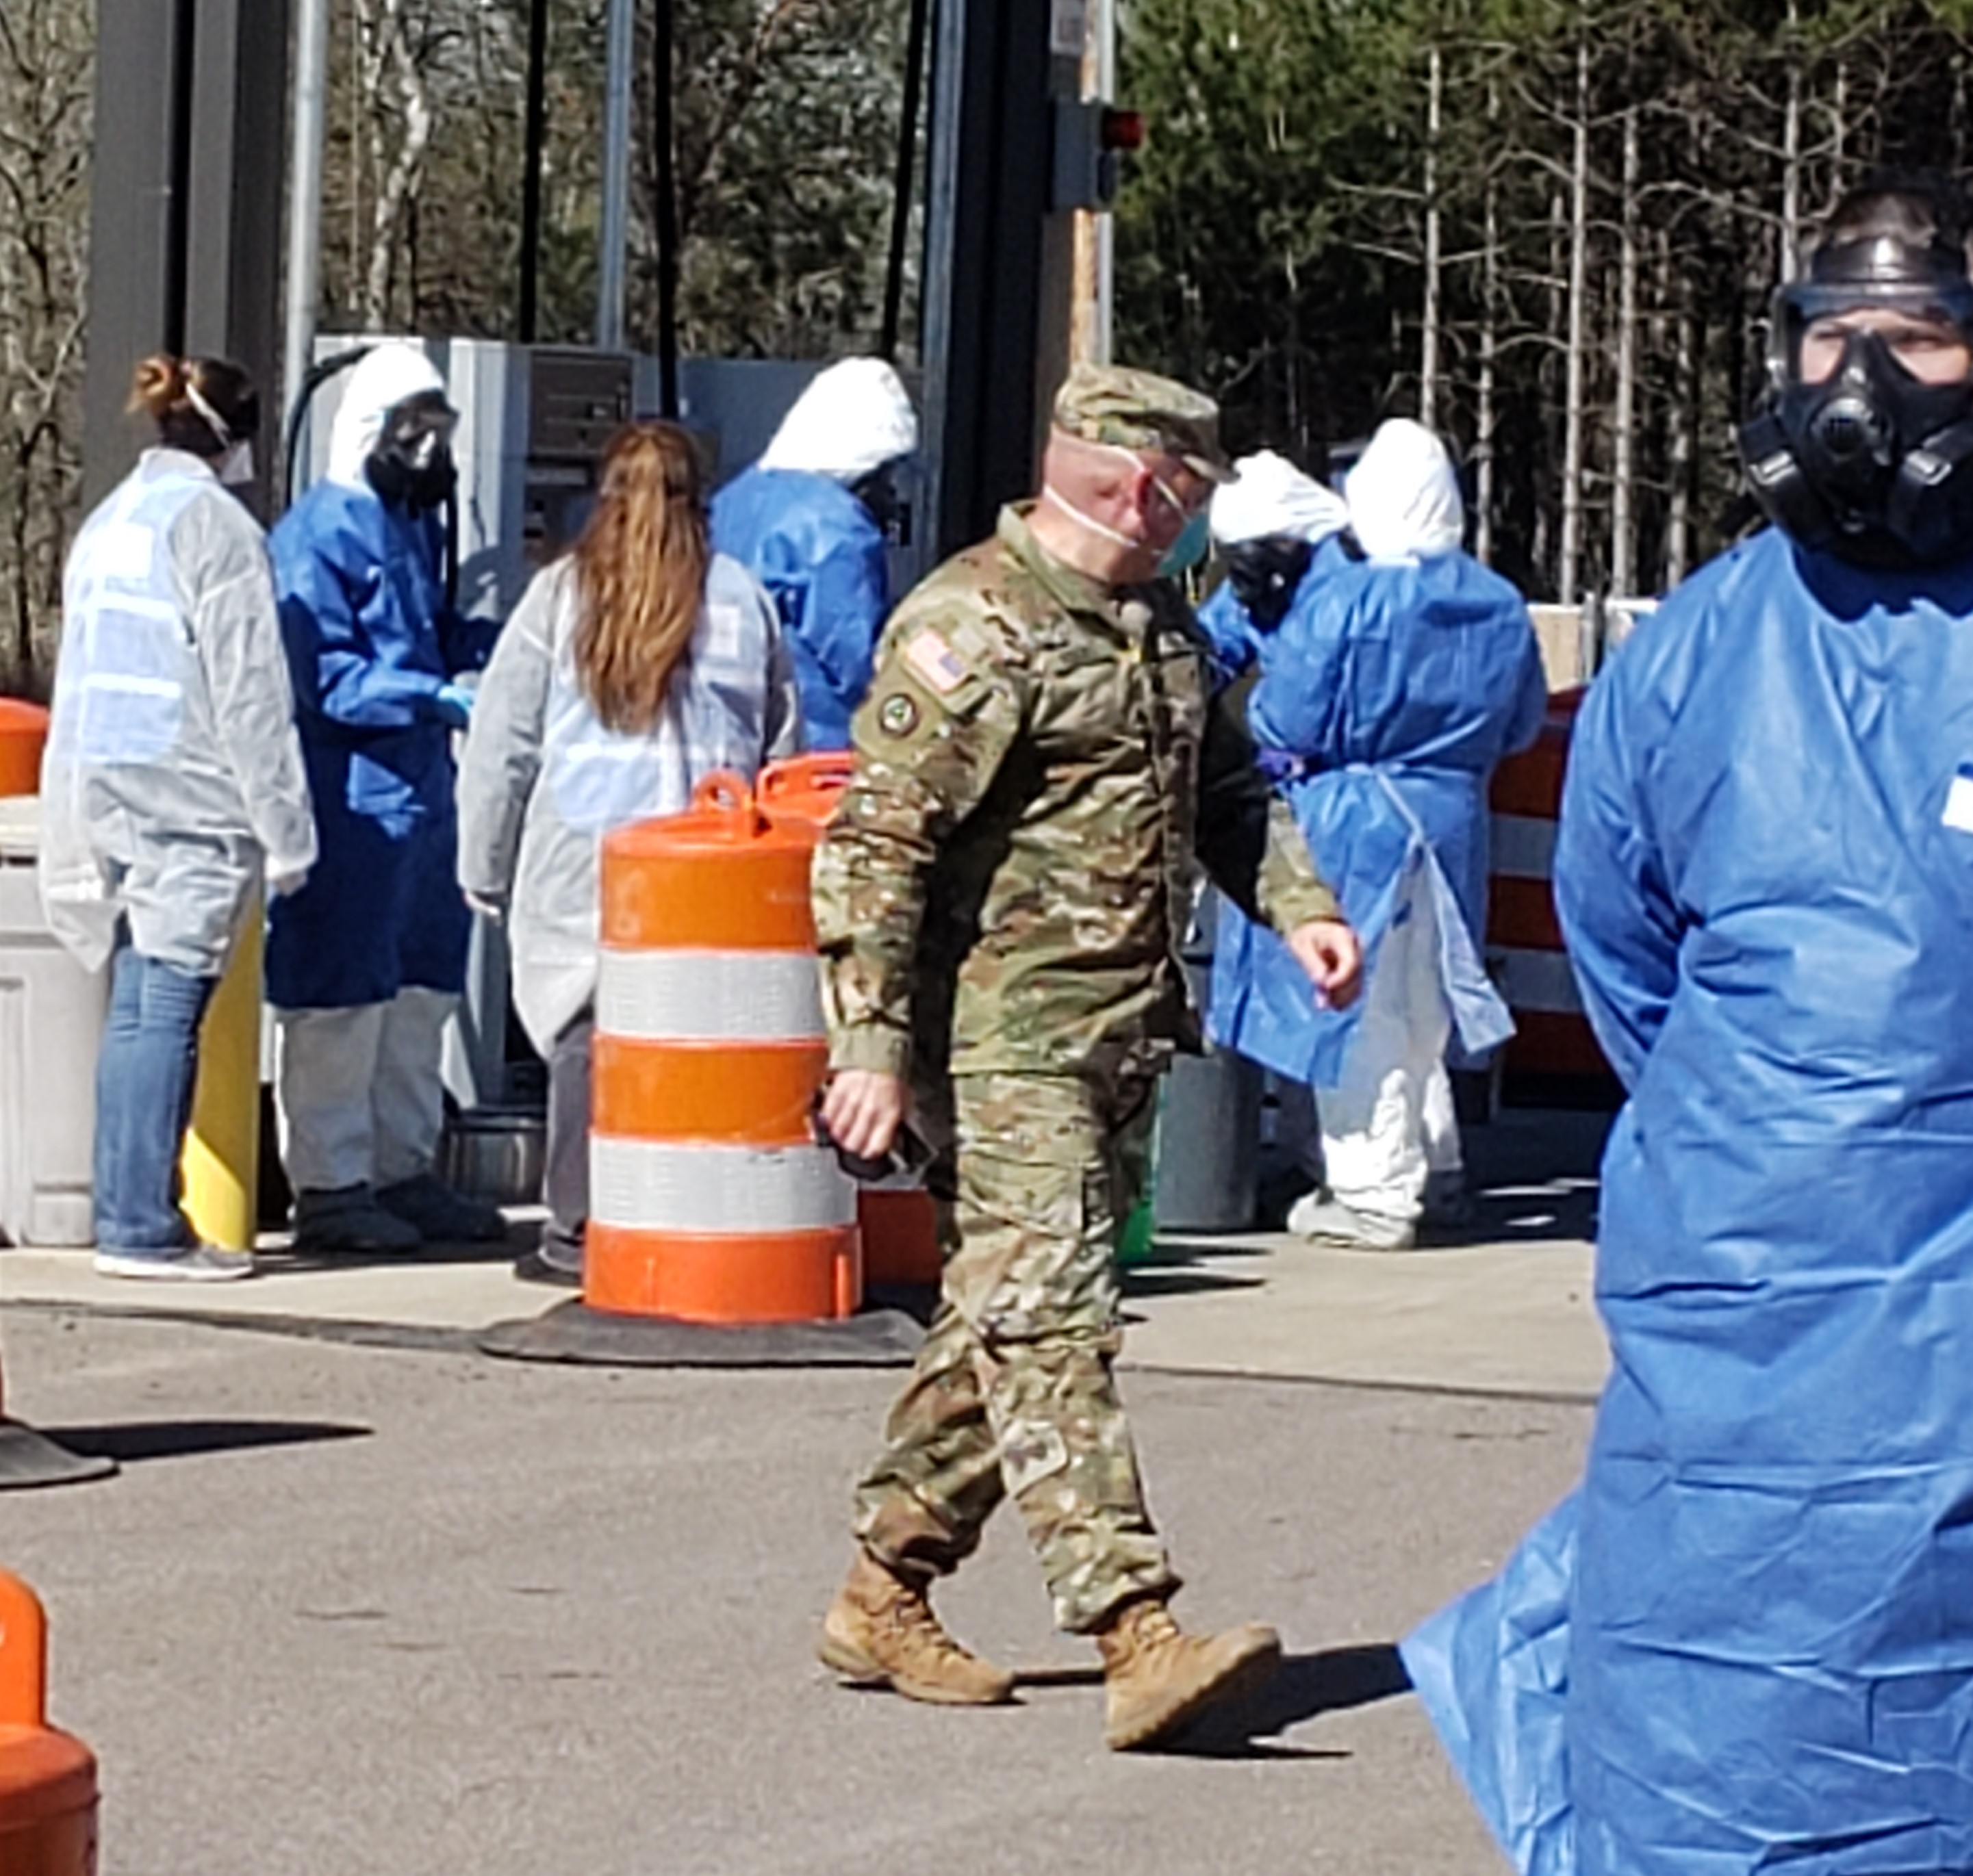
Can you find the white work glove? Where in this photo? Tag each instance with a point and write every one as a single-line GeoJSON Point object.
{"type": "Point", "coordinates": [493, 910]}
{"type": "Point", "coordinates": [283, 885]}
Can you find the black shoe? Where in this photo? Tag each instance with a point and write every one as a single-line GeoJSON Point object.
{"type": "Point", "coordinates": [536, 1267]}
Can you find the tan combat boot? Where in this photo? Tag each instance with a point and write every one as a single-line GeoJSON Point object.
{"type": "Point", "coordinates": [1155, 1676]}
{"type": "Point", "coordinates": [881, 1632]}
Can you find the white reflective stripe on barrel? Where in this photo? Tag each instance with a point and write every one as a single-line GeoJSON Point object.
{"type": "Point", "coordinates": [1524, 846]}
{"type": "Point", "coordinates": [708, 996]}
{"type": "Point", "coordinates": [651, 1185]}
{"type": "Point", "coordinates": [1536, 980]}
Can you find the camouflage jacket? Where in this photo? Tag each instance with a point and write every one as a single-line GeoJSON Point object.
{"type": "Point", "coordinates": [1004, 884]}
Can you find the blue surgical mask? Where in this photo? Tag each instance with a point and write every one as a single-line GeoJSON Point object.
{"type": "Point", "coordinates": [1189, 549]}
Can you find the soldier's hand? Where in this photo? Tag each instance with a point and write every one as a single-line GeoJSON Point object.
{"type": "Point", "coordinates": [863, 1109]}
{"type": "Point", "coordinates": [1328, 950]}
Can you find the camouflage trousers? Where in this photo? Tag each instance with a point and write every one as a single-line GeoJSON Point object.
{"type": "Point", "coordinates": [1013, 1395]}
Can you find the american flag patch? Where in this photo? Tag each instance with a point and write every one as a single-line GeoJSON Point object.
{"type": "Point", "coordinates": [935, 662]}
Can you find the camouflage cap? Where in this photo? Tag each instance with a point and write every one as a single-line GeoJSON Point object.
{"type": "Point", "coordinates": [1139, 411]}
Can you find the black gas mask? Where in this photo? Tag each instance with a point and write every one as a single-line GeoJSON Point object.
{"type": "Point", "coordinates": [1265, 575]}
{"type": "Point", "coordinates": [410, 465]}
{"type": "Point", "coordinates": [879, 493]}
{"type": "Point", "coordinates": [1871, 462]}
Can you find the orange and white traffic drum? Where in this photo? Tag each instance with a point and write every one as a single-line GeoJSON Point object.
{"type": "Point", "coordinates": [1524, 944]}
{"type": "Point", "coordinates": [710, 1199]}
{"type": "Point", "coordinates": [898, 1222]}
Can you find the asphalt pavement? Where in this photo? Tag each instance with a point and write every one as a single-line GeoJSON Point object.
{"type": "Point", "coordinates": [365, 1599]}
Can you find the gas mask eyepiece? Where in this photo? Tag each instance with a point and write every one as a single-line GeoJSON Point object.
{"type": "Point", "coordinates": [1869, 453]}
{"type": "Point", "coordinates": [410, 466]}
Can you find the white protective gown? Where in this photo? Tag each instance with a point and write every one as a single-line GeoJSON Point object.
{"type": "Point", "coordinates": [173, 778]}
{"type": "Point", "coordinates": [543, 780]}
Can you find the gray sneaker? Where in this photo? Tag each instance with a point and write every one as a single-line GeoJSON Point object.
{"type": "Point", "coordinates": [349, 1218]}
{"type": "Point", "coordinates": [197, 1263]}
{"type": "Point", "coordinates": [439, 1215]}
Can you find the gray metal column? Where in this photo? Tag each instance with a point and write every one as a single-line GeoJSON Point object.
{"type": "Point", "coordinates": [303, 287]}
{"type": "Point", "coordinates": [138, 203]}
{"type": "Point", "coordinates": [615, 234]}
{"type": "Point", "coordinates": [185, 201]}
{"type": "Point", "coordinates": [233, 229]}
{"type": "Point", "coordinates": [997, 262]}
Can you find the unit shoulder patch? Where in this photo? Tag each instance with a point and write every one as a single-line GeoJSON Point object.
{"type": "Point", "coordinates": [897, 714]}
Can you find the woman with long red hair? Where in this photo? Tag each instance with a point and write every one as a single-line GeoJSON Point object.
{"type": "Point", "coordinates": [636, 664]}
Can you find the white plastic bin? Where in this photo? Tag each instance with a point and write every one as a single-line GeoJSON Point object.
{"type": "Point", "coordinates": [52, 1012]}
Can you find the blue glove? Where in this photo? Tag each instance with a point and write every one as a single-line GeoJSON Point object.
{"type": "Point", "coordinates": [455, 705]}
{"type": "Point", "coordinates": [1278, 766]}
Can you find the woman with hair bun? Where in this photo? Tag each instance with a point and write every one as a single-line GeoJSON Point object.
{"type": "Point", "coordinates": [637, 663]}
{"type": "Point", "coordinates": [172, 787]}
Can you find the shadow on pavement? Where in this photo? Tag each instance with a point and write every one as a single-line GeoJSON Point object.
{"type": "Point", "coordinates": [280, 1257]}
{"type": "Point", "coordinates": [133, 1441]}
{"type": "Point", "coordinates": [1170, 1274]}
{"type": "Point", "coordinates": [1304, 1688]}
{"type": "Point", "coordinates": [1533, 1175]}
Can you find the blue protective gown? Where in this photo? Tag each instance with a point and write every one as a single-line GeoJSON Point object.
{"type": "Point", "coordinates": [1395, 686]}
{"type": "Point", "coordinates": [822, 559]}
{"type": "Point", "coordinates": [370, 644]}
{"type": "Point", "coordinates": [1238, 643]}
{"type": "Point", "coordinates": [1235, 639]}
{"type": "Point", "coordinates": [1747, 1643]}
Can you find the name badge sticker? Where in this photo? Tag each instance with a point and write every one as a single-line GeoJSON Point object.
{"type": "Point", "coordinates": [1958, 813]}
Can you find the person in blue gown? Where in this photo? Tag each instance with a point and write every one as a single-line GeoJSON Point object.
{"type": "Point", "coordinates": [1386, 695]}
{"type": "Point", "coordinates": [1271, 528]}
{"type": "Point", "coordinates": [365, 964]}
{"type": "Point", "coordinates": [1746, 1643]}
{"type": "Point", "coordinates": [810, 521]}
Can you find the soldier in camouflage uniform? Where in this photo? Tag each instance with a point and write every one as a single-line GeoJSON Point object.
{"type": "Point", "coordinates": [998, 901]}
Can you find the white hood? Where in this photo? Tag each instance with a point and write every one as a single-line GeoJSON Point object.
{"type": "Point", "coordinates": [376, 385]}
{"type": "Point", "coordinates": [853, 419]}
{"type": "Point", "coordinates": [1271, 497]}
{"type": "Point", "coordinates": [1403, 495]}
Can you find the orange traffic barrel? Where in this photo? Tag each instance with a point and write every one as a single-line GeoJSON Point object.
{"type": "Point", "coordinates": [807, 787]}
{"type": "Point", "coordinates": [23, 733]}
{"type": "Point", "coordinates": [1524, 946]}
{"type": "Point", "coordinates": [47, 1779]}
{"type": "Point", "coordinates": [710, 1200]}
{"type": "Point", "coordinates": [898, 1223]}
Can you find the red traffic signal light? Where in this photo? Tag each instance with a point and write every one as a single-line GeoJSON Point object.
{"type": "Point", "coordinates": [1120, 130]}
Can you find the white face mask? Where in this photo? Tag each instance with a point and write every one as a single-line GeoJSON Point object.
{"type": "Point", "coordinates": [1134, 542]}
{"type": "Point", "coordinates": [235, 468]}
{"type": "Point", "coordinates": [1102, 529]}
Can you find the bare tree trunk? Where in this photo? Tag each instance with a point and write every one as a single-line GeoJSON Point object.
{"type": "Point", "coordinates": [1428, 345]}
{"type": "Point", "coordinates": [1545, 528]}
{"type": "Point", "coordinates": [1839, 128]}
{"type": "Point", "coordinates": [389, 47]}
{"type": "Point", "coordinates": [1684, 449]}
{"type": "Point", "coordinates": [44, 142]}
{"type": "Point", "coordinates": [1569, 561]}
{"type": "Point", "coordinates": [1792, 148]}
{"type": "Point", "coordinates": [1485, 469]}
{"type": "Point", "coordinates": [1623, 475]}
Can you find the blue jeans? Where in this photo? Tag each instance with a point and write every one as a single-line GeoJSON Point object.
{"type": "Point", "coordinates": [144, 1080]}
